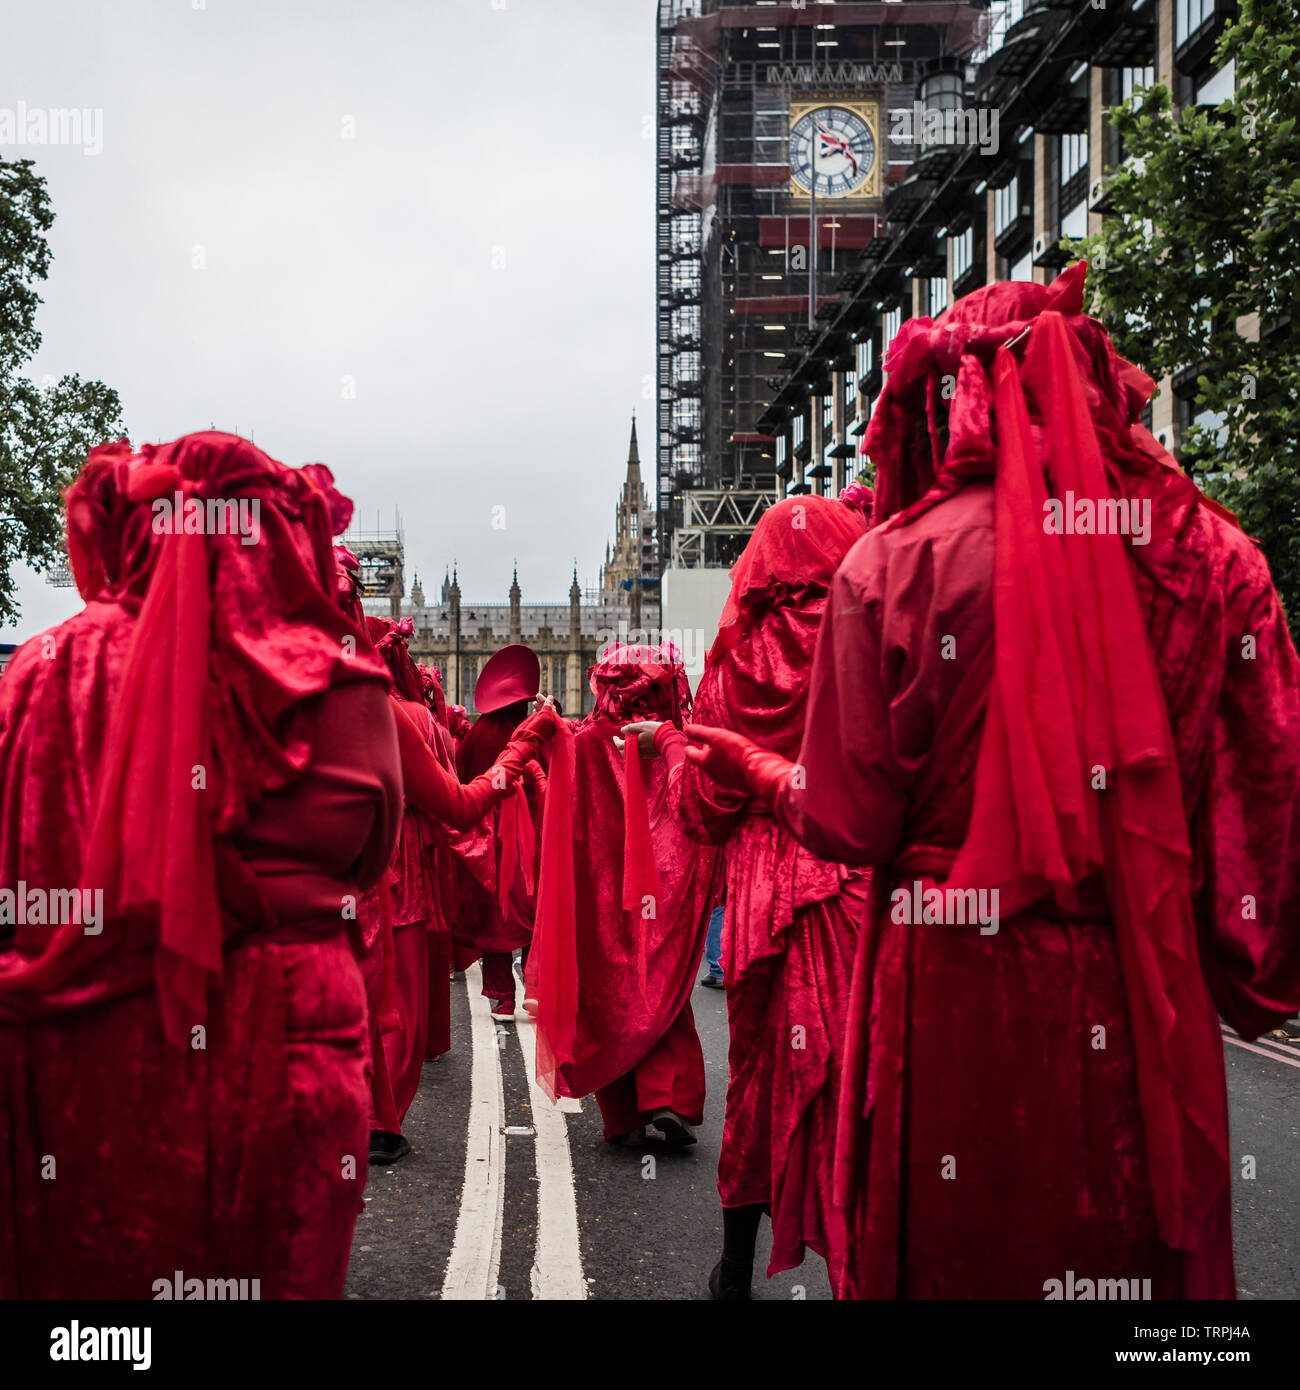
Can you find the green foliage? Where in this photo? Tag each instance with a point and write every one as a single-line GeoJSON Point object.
{"type": "Point", "coordinates": [1203, 236]}
{"type": "Point", "coordinates": [45, 432]}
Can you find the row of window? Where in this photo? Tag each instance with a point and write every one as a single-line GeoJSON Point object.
{"type": "Point", "coordinates": [1068, 186]}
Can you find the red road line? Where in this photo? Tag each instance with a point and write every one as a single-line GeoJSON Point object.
{"type": "Point", "coordinates": [1263, 1052]}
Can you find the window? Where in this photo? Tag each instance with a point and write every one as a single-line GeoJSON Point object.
{"type": "Point", "coordinates": [890, 324]}
{"type": "Point", "coordinates": [1219, 87]}
{"type": "Point", "coordinates": [1074, 156]}
{"type": "Point", "coordinates": [635, 524]}
{"type": "Point", "coordinates": [1071, 201]}
{"type": "Point", "coordinates": [1189, 15]}
{"type": "Point", "coordinates": [782, 451]}
{"type": "Point", "coordinates": [1006, 206]}
{"type": "Point", "coordinates": [850, 393]}
{"type": "Point", "coordinates": [937, 296]}
{"type": "Point", "coordinates": [963, 253]}
{"type": "Point", "coordinates": [866, 358]}
{"type": "Point", "coordinates": [1134, 79]}
{"type": "Point", "coordinates": [798, 430]}
{"type": "Point", "coordinates": [1023, 269]}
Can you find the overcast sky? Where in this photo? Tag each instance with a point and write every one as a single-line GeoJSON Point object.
{"type": "Point", "coordinates": [454, 309]}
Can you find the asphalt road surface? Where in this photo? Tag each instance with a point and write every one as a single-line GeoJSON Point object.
{"type": "Point", "coordinates": [505, 1196]}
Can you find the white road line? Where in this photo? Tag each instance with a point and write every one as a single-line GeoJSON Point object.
{"type": "Point", "coordinates": [1263, 1051]}
{"type": "Point", "coordinates": [476, 1251]}
{"type": "Point", "coordinates": [557, 1268]}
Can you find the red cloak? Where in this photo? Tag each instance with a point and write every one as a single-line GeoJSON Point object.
{"type": "Point", "coordinates": [642, 892]}
{"type": "Point", "coordinates": [791, 918]}
{"type": "Point", "coordinates": [207, 746]}
{"type": "Point", "coordinates": [1108, 734]}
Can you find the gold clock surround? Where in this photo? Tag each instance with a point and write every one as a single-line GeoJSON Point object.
{"type": "Point", "coordinates": [867, 111]}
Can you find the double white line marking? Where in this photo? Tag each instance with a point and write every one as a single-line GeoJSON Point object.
{"type": "Point", "coordinates": [472, 1270]}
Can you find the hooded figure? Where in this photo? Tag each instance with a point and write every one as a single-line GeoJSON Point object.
{"type": "Point", "coordinates": [405, 921]}
{"type": "Point", "coordinates": [204, 760]}
{"type": "Point", "coordinates": [634, 921]}
{"type": "Point", "coordinates": [1056, 704]}
{"type": "Point", "coordinates": [791, 917]}
{"type": "Point", "coordinates": [497, 863]}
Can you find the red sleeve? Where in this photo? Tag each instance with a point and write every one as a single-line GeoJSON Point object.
{"type": "Point", "coordinates": [843, 800]}
{"type": "Point", "coordinates": [432, 788]}
{"type": "Point", "coordinates": [697, 815]}
{"type": "Point", "coordinates": [1246, 827]}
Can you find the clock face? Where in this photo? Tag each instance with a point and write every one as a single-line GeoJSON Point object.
{"type": "Point", "coordinates": [840, 145]}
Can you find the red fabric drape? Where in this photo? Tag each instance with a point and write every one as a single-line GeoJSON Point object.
{"type": "Point", "coordinates": [1077, 762]}
{"type": "Point", "coordinates": [551, 983]}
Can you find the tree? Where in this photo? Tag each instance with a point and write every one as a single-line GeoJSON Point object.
{"type": "Point", "coordinates": [1194, 272]}
{"type": "Point", "coordinates": [45, 431]}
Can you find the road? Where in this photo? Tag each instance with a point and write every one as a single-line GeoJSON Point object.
{"type": "Point", "coordinates": [505, 1197]}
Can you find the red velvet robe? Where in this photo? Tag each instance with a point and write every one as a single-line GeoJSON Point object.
{"type": "Point", "coordinates": [442, 865]}
{"type": "Point", "coordinates": [992, 1137]}
{"type": "Point", "coordinates": [636, 1046]}
{"type": "Point", "coordinates": [244, 1157]}
{"type": "Point", "coordinates": [791, 918]}
{"type": "Point", "coordinates": [492, 920]}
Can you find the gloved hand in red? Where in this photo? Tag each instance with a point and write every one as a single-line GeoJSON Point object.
{"type": "Point", "coordinates": [737, 763]}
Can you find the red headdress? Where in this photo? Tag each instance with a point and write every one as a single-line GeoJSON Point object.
{"type": "Point", "coordinates": [389, 639]}
{"type": "Point", "coordinates": [347, 584]}
{"type": "Point", "coordinates": [434, 697]}
{"type": "Point", "coordinates": [640, 682]}
{"type": "Point", "coordinates": [512, 674]}
{"type": "Point", "coordinates": [756, 678]}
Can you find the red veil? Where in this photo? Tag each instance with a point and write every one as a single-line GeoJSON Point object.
{"type": "Point", "coordinates": [207, 647]}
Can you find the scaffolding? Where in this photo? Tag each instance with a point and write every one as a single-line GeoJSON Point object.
{"type": "Point", "coordinates": [382, 555]}
{"type": "Point", "coordinates": [747, 260]}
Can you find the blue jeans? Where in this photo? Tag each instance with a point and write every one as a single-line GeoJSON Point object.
{"type": "Point", "coordinates": [713, 943]}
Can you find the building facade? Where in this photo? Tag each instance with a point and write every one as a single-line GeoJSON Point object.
{"type": "Point", "coordinates": [777, 157]}
{"type": "Point", "coordinates": [458, 636]}
{"type": "Point", "coordinates": [968, 211]}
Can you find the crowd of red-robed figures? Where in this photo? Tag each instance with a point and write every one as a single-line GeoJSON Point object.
{"type": "Point", "coordinates": [297, 842]}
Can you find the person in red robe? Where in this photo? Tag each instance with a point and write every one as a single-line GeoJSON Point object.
{"type": "Point", "coordinates": [403, 913]}
{"type": "Point", "coordinates": [1056, 704]}
{"type": "Point", "coordinates": [411, 917]}
{"type": "Point", "coordinates": [442, 863]}
{"type": "Point", "coordinates": [207, 753]}
{"type": "Point", "coordinates": [497, 862]}
{"type": "Point", "coordinates": [642, 893]}
{"type": "Point", "coordinates": [791, 917]}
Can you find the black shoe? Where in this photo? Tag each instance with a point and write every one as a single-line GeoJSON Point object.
{"type": "Point", "coordinates": [676, 1131]}
{"type": "Point", "coordinates": [729, 1282]}
{"type": "Point", "coordinates": [713, 982]}
{"type": "Point", "coordinates": [387, 1147]}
